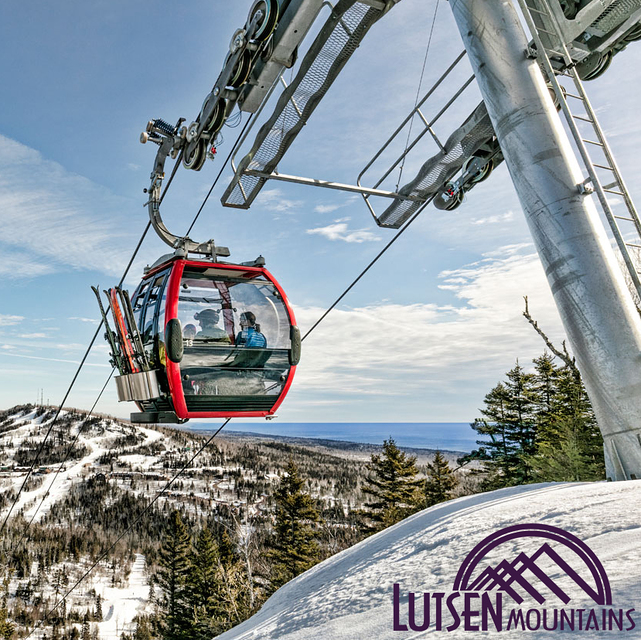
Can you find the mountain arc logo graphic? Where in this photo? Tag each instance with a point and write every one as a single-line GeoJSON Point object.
{"type": "Point", "coordinates": [520, 578]}
{"type": "Point", "coordinates": [510, 574]}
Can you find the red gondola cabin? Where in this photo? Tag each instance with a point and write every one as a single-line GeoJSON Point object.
{"type": "Point", "coordinates": [221, 339]}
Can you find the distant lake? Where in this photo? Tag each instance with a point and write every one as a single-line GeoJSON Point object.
{"type": "Point", "coordinates": [456, 436]}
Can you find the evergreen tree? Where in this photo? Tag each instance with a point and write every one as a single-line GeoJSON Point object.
{"type": "Point", "coordinates": [86, 628]}
{"type": "Point", "coordinates": [541, 427]}
{"type": "Point", "coordinates": [569, 443]}
{"type": "Point", "coordinates": [152, 591]}
{"type": "Point", "coordinates": [440, 481]}
{"type": "Point", "coordinates": [509, 420]}
{"type": "Point", "coordinates": [392, 484]}
{"type": "Point", "coordinates": [546, 390]}
{"type": "Point", "coordinates": [226, 549]}
{"type": "Point", "coordinates": [98, 614]}
{"type": "Point", "coordinates": [204, 586]}
{"type": "Point", "coordinates": [295, 546]}
{"type": "Point", "coordinates": [143, 629]}
{"type": "Point", "coordinates": [7, 627]}
{"type": "Point", "coordinates": [172, 578]}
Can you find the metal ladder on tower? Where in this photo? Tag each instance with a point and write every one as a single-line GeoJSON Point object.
{"type": "Point", "coordinates": [550, 46]}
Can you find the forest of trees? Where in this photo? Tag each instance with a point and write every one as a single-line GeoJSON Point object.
{"type": "Point", "coordinates": [210, 569]}
{"type": "Point", "coordinates": [210, 581]}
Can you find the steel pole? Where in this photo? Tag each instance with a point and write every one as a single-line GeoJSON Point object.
{"type": "Point", "coordinates": [596, 308]}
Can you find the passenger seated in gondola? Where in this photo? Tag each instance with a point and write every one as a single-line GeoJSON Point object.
{"type": "Point", "coordinates": [209, 331]}
{"type": "Point", "coordinates": [240, 374]}
{"type": "Point", "coordinates": [250, 335]}
{"type": "Point", "coordinates": [189, 333]}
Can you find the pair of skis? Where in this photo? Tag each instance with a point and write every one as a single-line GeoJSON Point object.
{"type": "Point", "coordinates": [127, 349]}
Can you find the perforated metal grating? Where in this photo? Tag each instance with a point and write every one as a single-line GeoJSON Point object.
{"type": "Point", "coordinates": [338, 39]}
{"type": "Point", "coordinates": [440, 168]}
{"type": "Point", "coordinates": [615, 14]}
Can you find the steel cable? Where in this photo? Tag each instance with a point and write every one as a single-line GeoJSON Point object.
{"type": "Point", "coordinates": [61, 467]}
{"type": "Point", "coordinates": [368, 267]}
{"type": "Point", "coordinates": [222, 168]}
{"type": "Point", "coordinates": [418, 93]}
{"type": "Point", "coordinates": [146, 230]}
{"type": "Point", "coordinates": [176, 476]}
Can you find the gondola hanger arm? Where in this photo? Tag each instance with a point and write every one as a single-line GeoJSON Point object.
{"type": "Point", "coordinates": [171, 142]}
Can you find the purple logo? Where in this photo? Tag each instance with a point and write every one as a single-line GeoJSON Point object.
{"type": "Point", "coordinates": [487, 595]}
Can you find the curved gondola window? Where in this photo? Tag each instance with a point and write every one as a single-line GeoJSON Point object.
{"type": "Point", "coordinates": [150, 316]}
{"type": "Point", "coordinates": [138, 301]}
{"type": "Point", "coordinates": [218, 360]}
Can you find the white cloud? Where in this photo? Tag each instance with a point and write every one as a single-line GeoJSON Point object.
{"type": "Point", "coordinates": [72, 346]}
{"type": "Point", "coordinates": [444, 353]}
{"type": "Point", "coordinates": [16, 264]}
{"type": "Point", "coordinates": [502, 252]}
{"type": "Point", "coordinates": [275, 200]}
{"type": "Point", "coordinates": [499, 217]}
{"type": "Point", "coordinates": [339, 231]}
{"type": "Point", "coordinates": [53, 218]}
{"type": "Point", "coordinates": [327, 208]}
{"type": "Point", "coordinates": [89, 320]}
{"type": "Point", "coordinates": [7, 320]}
{"type": "Point", "coordinates": [32, 335]}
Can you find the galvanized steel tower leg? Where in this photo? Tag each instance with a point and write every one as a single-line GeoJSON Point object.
{"type": "Point", "coordinates": [600, 319]}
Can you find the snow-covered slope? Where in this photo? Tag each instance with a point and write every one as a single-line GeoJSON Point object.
{"type": "Point", "coordinates": [56, 485]}
{"type": "Point", "coordinates": [350, 596]}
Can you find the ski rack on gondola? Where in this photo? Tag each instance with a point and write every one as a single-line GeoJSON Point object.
{"type": "Point", "coordinates": [137, 381]}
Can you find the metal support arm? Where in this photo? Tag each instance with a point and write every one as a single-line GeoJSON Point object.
{"type": "Point", "coordinates": [171, 141]}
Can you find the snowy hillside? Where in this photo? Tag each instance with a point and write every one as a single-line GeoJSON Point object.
{"type": "Point", "coordinates": [350, 596]}
{"type": "Point", "coordinates": [31, 429]}
{"type": "Point", "coordinates": [94, 480]}
{"type": "Point", "coordinates": [23, 431]}
{"type": "Point", "coordinates": [115, 468]}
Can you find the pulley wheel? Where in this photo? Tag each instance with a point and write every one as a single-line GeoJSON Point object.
{"type": "Point", "coordinates": [195, 155]}
{"type": "Point", "coordinates": [595, 65]}
{"type": "Point", "coordinates": [217, 118]}
{"type": "Point", "coordinates": [482, 174]}
{"type": "Point", "coordinates": [555, 100]}
{"type": "Point", "coordinates": [269, 9]}
{"type": "Point", "coordinates": [241, 70]}
{"type": "Point", "coordinates": [455, 201]}
{"type": "Point", "coordinates": [634, 35]}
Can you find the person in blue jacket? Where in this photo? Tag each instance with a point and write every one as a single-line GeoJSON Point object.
{"type": "Point", "coordinates": [250, 335]}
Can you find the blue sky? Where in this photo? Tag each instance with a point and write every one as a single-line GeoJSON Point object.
{"type": "Point", "coordinates": [423, 337]}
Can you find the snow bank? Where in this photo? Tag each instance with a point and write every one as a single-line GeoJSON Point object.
{"type": "Point", "coordinates": [349, 596]}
